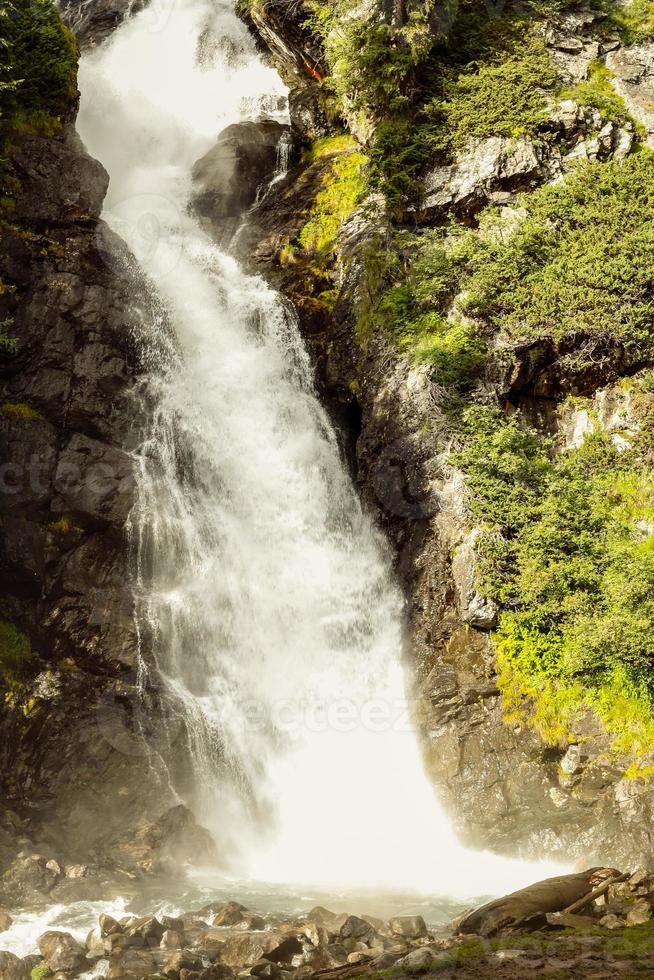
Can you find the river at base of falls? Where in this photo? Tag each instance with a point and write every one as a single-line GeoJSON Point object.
{"type": "Point", "coordinates": [174, 897]}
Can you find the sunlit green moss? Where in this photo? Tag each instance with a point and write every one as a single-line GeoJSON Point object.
{"type": "Point", "coordinates": [20, 411]}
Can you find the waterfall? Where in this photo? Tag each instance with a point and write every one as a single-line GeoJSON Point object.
{"type": "Point", "coordinates": [275, 620]}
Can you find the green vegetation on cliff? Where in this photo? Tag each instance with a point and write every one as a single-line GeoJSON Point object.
{"type": "Point", "coordinates": [581, 262]}
{"type": "Point", "coordinates": [568, 555]}
{"type": "Point", "coordinates": [431, 76]}
{"type": "Point", "coordinates": [567, 551]}
{"type": "Point", "coordinates": [338, 171]}
{"type": "Point", "coordinates": [15, 653]}
{"type": "Point", "coordinates": [577, 260]}
{"type": "Point", "coordinates": [38, 55]}
{"type": "Point", "coordinates": [341, 189]}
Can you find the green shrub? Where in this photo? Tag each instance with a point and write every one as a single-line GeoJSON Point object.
{"type": "Point", "coordinates": [597, 92]}
{"type": "Point", "coordinates": [581, 262]}
{"type": "Point", "coordinates": [421, 278]}
{"type": "Point", "coordinates": [41, 58]}
{"type": "Point", "coordinates": [635, 20]}
{"type": "Point", "coordinates": [504, 98]}
{"type": "Point", "coordinates": [564, 554]}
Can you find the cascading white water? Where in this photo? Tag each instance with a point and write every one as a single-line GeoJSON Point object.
{"type": "Point", "coordinates": [275, 619]}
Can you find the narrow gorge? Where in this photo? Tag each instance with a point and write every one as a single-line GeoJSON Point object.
{"type": "Point", "coordinates": [325, 335]}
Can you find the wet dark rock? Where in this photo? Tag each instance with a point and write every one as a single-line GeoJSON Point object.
{"type": "Point", "coordinates": [79, 310]}
{"type": "Point", "coordinates": [93, 22]}
{"type": "Point", "coordinates": [298, 57]}
{"type": "Point", "coordinates": [27, 881]}
{"type": "Point", "coordinates": [229, 177]}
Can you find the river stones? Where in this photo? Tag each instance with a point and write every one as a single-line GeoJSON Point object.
{"type": "Point", "coordinates": [12, 967]}
{"type": "Point", "coordinates": [408, 926]}
{"type": "Point", "coordinates": [61, 952]}
{"type": "Point", "coordinates": [230, 914]}
{"type": "Point", "coordinates": [355, 928]}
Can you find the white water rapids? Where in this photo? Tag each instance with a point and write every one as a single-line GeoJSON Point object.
{"type": "Point", "coordinates": [276, 620]}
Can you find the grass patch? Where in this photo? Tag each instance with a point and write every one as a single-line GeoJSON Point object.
{"type": "Point", "coordinates": [597, 92]}
{"type": "Point", "coordinates": [342, 187]}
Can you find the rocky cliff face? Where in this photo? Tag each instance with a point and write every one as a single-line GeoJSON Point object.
{"type": "Point", "coordinates": [85, 798]}
{"type": "Point", "coordinates": [505, 785]}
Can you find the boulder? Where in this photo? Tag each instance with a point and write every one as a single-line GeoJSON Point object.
{"type": "Point", "coordinates": [230, 914]}
{"type": "Point", "coordinates": [217, 971]}
{"type": "Point", "coordinates": [148, 929]}
{"type": "Point", "coordinates": [171, 922]}
{"type": "Point", "coordinates": [133, 963]}
{"type": "Point", "coordinates": [611, 921]}
{"type": "Point", "coordinates": [266, 969]}
{"type": "Point", "coordinates": [355, 928]}
{"type": "Point", "coordinates": [62, 953]}
{"type": "Point", "coordinates": [632, 70]}
{"type": "Point", "coordinates": [317, 934]}
{"type": "Point", "coordinates": [247, 948]}
{"type": "Point", "coordinates": [550, 895]}
{"type": "Point", "coordinates": [639, 913]}
{"type": "Point", "coordinates": [172, 940]}
{"type": "Point", "coordinates": [253, 923]}
{"type": "Point", "coordinates": [408, 926]}
{"type": "Point", "coordinates": [322, 916]}
{"type": "Point", "coordinates": [229, 177]}
{"type": "Point", "coordinates": [95, 947]}
{"type": "Point", "coordinates": [419, 960]}
{"type": "Point", "coordinates": [5, 920]}
{"type": "Point", "coordinates": [181, 959]}
{"type": "Point", "coordinates": [108, 925]}
{"type": "Point", "coordinates": [27, 881]}
{"type": "Point", "coordinates": [12, 967]}
{"type": "Point", "coordinates": [485, 167]}
{"type": "Point", "coordinates": [358, 957]}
